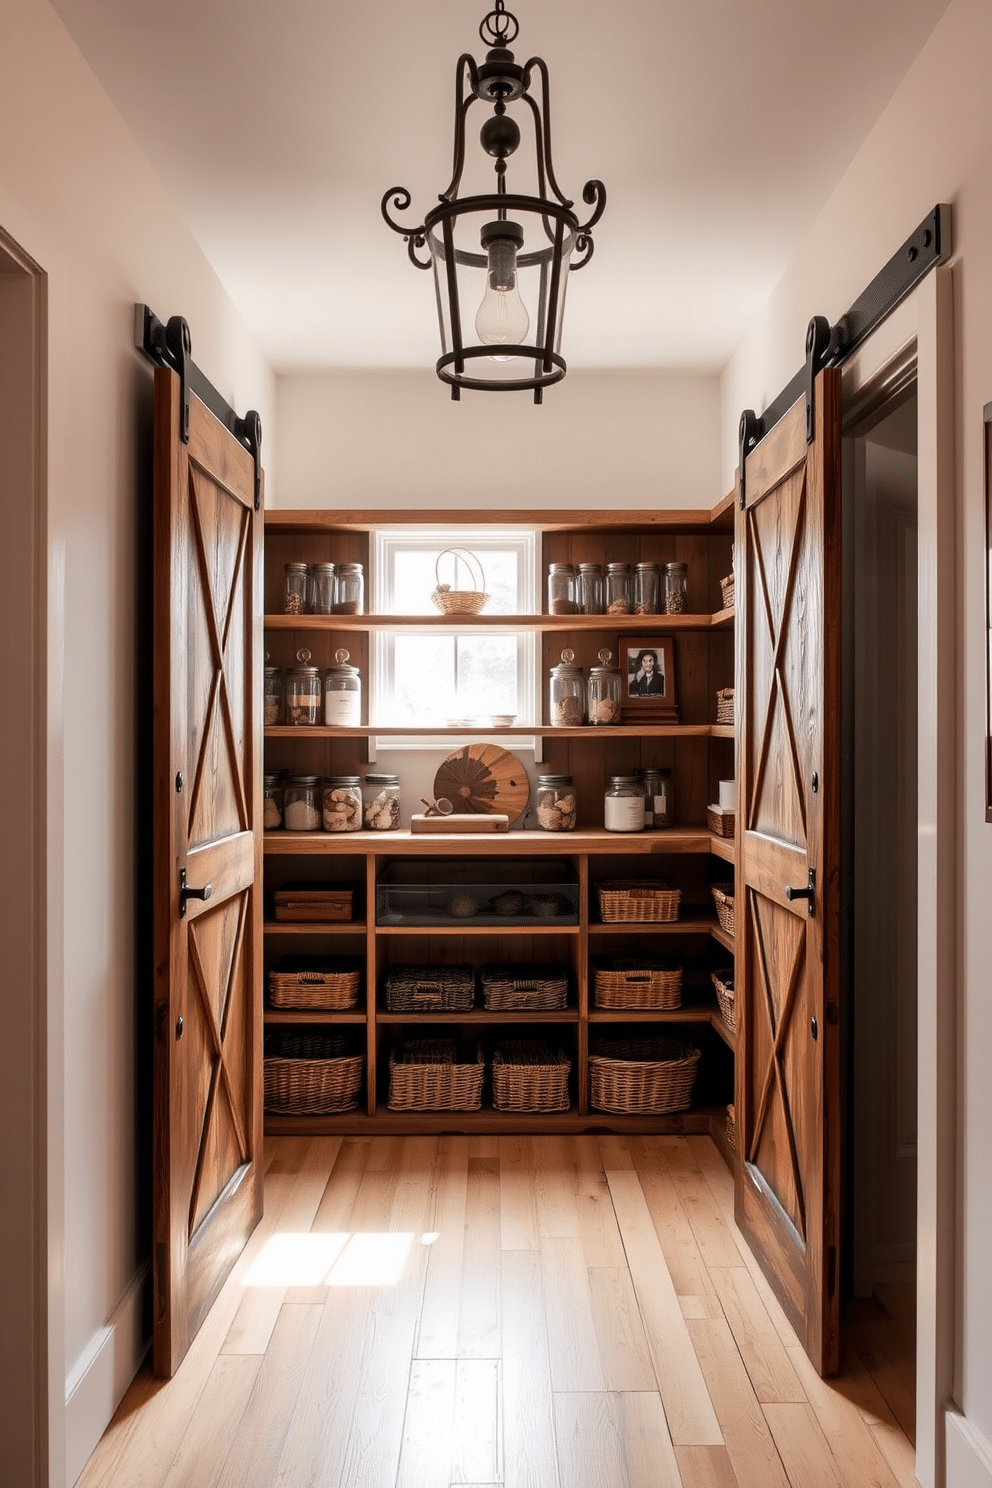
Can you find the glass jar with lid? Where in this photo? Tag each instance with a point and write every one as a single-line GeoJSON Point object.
{"type": "Point", "coordinates": [303, 692]}
{"type": "Point", "coordinates": [271, 802]}
{"type": "Point", "coordinates": [619, 588]}
{"type": "Point", "coordinates": [659, 810]}
{"type": "Point", "coordinates": [568, 693]}
{"type": "Point", "coordinates": [342, 693]}
{"type": "Point", "coordinates": [321, 589]}
{"type": "Point", "coordinates": [341, 803]}
{"type": "Point", "coordinates": [646, 589]}
{"type": "Point", "coordinates": [301, 803]}
{"type": "Point", "coordinates": [676, 588]}
{"type": "Point", "coordinates": [623, 804]}
{"type": "Point", "coordinates": [381, 802]}
{"type": "Point", "coordinates": [605, 691]}
{"type": "Point", "coordinates": [294, 588]}
{"type": "Point", "coordinates": [272, 706]}
{"type": "Point", "coordinates": [562, 599]}
{"type": "Point", "coordinates": [557, 806]}
{"type": "Point", "coordinates": [590, 588]}
{"type": "Point", "coordinates": [349, 596]}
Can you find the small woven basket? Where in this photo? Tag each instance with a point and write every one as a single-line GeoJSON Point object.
{"type": "Point", "coordinates": [529, 1075]}
{"type": "Point", "coordinates": [301, 985]}
{"type": "Point", "coordinates": [423, 1076]}
{"type": "Point", "coordinates": [723, 984]}
{"type": "Point", "coordinates": [632, 900]}
{"type": "Point", "coordinates": [637, 984]}
{"type": "Point", "coordinates": [725, 705]}
{"type": "Point", "coordinates": [430, 989]}
{"type": "Point", "coordinates": [731, 1129]}
{"type": "Point", "coordinates": [310, 1075]}
{"type": "Point", "coordinates": [460, 601]}
{"type": "Point", "coordinates": [646, 1077]}
{"type": "Point", "coordinates": [721, 823]}
{"type": "Point", "coordinates": [538, 989]}
{"type": "Point", "coordinates": [727, 592]}
{"type": "Point", "coordinates": [723, 898]}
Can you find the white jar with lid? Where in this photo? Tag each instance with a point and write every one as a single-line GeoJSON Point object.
{"type": "Point", "coordinates": [342, 693]}
{"type": "Point", "coordinates": [623, 805]}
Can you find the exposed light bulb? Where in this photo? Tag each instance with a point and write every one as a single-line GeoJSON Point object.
{"type": "Point", "coordinates": [502, 318]}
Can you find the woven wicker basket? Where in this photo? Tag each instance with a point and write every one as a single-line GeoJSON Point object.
{"type": "Point", "coordinates": [723, 983]}
{"type": "Point", "coordinates": [725, 705]}
{"type": "Point", "coordinates": [727, 592]}
{"type": "Point", "coordinates": [538, 989]}
{"type": "Point", "coordinates": [304, 985]}
{"type": "Point", "coordinates": [723, 898]}
{"type": "Point", "coordinates": [731, 1128]}
{"type": "Point", "coordinates": [642, 1076]}
{"type": "Point", "coordinates": [430, 989]}
{"type": "Point", "coordinates": [720, 823]}
{"type": "Point", "coordinates": [423, 1076]}
{"type": "Point", "coordinates": [530, 1075]}
{"type": "Point", "coordinates": [638, 984]}
{"type": "Point", "coordinates": [310, 1075]}
{"type": "Point", "coordinates": [460, 601]}
{"type": "Point", "coordinates": [631, 900]}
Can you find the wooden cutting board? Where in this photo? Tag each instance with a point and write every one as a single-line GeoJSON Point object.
{"type": "Point", "coordinates": [484, 779]}
{"type": "Point", "coordinates": [464, 822]}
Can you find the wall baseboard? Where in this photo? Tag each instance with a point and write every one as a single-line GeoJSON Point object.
{"type": "Point", "coordinates": [969, 1455]}
{"type": "Point", "coordinates": [99, 1378]}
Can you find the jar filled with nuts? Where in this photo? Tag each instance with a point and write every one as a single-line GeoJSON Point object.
{"type": "Point", "coordinates": [381, 802]}
{"type": "Point", "coordinates": [646, 589]}
{"type": "Point", "coordinates": [342, 693]}
{"type": "Point", "coordinates": [349, 593]}
{"type": "Point", "coordinates": [590, 593]}
{"type": "Point", "coordinates": [619, 589]}
{"type": "Point", "coordinates": [303, 692]}
{"type": "Point", "coordinates": [342, 802]}
{"type": "Point", "coordinates": [272, 707]}
{"type": "Point", "coordinates": [568, 693]}
{"type": "Point", "coordinates": [562, 599]}
{"type": "Point", "coordinates": [321, 588]}
{"type": "Point", "coordinates": [676, 588]}
{"type": "Point", "coordinates": [556, 803]}
{"type": "Point", "coordinates": [301, 803]}
{"type": "Point", "coordinates": [605, 691]}
{"type": "Point", "coordinates": [294, 589]}
{"type": "Point", "coordinates": [271, 802]}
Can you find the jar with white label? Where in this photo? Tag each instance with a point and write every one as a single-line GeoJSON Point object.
{"type": "Point", "coordinates": [381, 802]}
{"type": "Point", "coordinates": [568, 693]}
{"type": "Point", "coordinates": [303, 692]}
{"type": "Point", "coordinates": [342, 803]}
{"type": "Point", "coordinates": [301, 803]}
{"type": "Point", "coordinates": [605, 692]}
{"type": "Point", "coordinates": [623, 804]}
{"type": "Point", "coordinates": [342, 693]}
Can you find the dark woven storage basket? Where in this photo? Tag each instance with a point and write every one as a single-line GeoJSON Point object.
{"type": "Point", "coordinates": [430, 989]}
{"type": "Point", "coordinates": [301, 984]}
{"type": "Point", "coordinates": [725, 705]}
{"type": "Point", "coordinates": [423, 1076]}
{"type": "Point", "coordinates": [632, 900]}
{"type": "Point", "coordinates": [310, 1075]}
{"type": "Point", "coordinates": [538, 989]}
{"type": "Point", "coordinates": [721, 823]}
{"type": "Point", "coordinates": [727, 592]}
{"type": "Point", "coordinates": [731, 1128]}
{"type": "Point", "coordinates": [642, 1077]}
{"type": "Point", "coordinates": [723, 983]}
{"type": "Point", "coordinates": [530, 1075]}
{"type": "Point", "coordinates": [723, 898]}
{"type": "Point", "coordinates": [637, 983]}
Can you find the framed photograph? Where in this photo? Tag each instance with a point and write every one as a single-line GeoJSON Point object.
{"type": "Point", "coordinates": [647, 665]}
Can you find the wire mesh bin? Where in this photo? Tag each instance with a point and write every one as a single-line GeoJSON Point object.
{"type": "Point", "coordinates": [642, 1077]}
{"type": "Point", "coordinates": [310, 1074]}
{"type": "Point", "coordinates": [637, 983]}
{"type": "Point", "coordinates": [537, 989]}
{"type": "Point", "coordinates": [423, 1076]}
{"type": "Point", "coordinates": [477, 892]}
{"type": "Point", "coordinates": [307, 984]}
{"type": "Point", "coordinates": [430, 989]}
{"type": "Point", "coordinates": [530, 1075]}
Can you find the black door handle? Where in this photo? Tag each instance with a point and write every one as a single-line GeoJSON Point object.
{"type": "Point", "coordinates": [807, 893]}
{"type": "Point", "coordinates": [185, 893]}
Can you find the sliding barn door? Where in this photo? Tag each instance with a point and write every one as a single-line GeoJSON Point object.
{"type": "Point", "coordinates": [208, 673]}
{"type": "Point", "coordinates": [788, 860]}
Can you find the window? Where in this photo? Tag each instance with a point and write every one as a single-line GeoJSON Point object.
{"type": "Point", "coordinates": [443, 674]}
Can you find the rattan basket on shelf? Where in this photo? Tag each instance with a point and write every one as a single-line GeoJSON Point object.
{"type": "Point", "coordinates": [720, 823]}
{"type": "Point", "coordinates": [310, 1075]}
{"type": "Point", "coordinates": [723, 898]}
{"type": "Point", "coordinates": [725, 705]}
{"type": "Point", "coordinates": [530, 1075]}
{"type": "Point", "coordinates": [723, 985]}
{"type": "Point", "coordinates": [727, 592]}
{"type": "Point", "coordinates": [637, 984]}
{"type": "Point", "coordinates": [423, 1076]}
{"type": "Point", "coordinates": [522, 989]}
{"type": "Point", "coordinates": [430, 989]}
{"type": "Point", "coordinates": [460, 601]}
{"type": "Point", "coordinates": [643, 1077]}
{"type": "Point", "coordinates": [731, 1129]}
{"type": "Point", "coordinates": [302, 984]}
{"type": "Point", "coordinates": [637, 900]}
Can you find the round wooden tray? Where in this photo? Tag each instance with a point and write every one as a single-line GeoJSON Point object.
{"type": "Point", "coordinates": [483, 779]}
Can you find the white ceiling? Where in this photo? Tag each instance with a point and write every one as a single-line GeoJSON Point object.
{"type": "Point", "coordinates": [719, 127]}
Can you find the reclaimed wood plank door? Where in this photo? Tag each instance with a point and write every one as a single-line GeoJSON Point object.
{"type": "Point", "coordinates": [207, 811]}
{"type": "Point", "coordinates": [788, 575]}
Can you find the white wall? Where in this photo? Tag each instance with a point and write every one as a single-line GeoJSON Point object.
{"type": "Point", "coordinates": [931, 145]}
{"type": "Point", "coordinates": [76, 194]}
{"type": "Point", "coordinates": [396, 439]}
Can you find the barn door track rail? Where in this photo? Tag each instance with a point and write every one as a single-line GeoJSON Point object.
{"type": "Point", "coordinates": [828, 346]}
{"type": "Point", "coordinates": [171, 345]}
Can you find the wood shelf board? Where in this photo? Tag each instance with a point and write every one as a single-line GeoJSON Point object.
{"type": "Point", "coordinates": [634, 624]}
{"type": "Point", "coordinates": [719, 934]}
{"type": "Point", "coordinates": [518, 731]}
{"type": "Point", "coordinates": [490, 1122]}
{"type": "Point", "coordinates": [695, 520]}
{"type": "Point", "coordinates": [722, 731]}
{"type": "Point", "coordinates": [726, 1033]}
{"type": "Point", "coordinates": [314, 927]}
{"type": "Point", "coordinates": [596, 842]}
{"type": "Point", "coordinates": [569, 1017]}
{"type": "Point", "coordinates": [465, 927]}
{"type": "Point", "coordinates": [285, 1017]}
{"type": "Point", "coordinates": [697, 925]}
{"type": "Point", "coordinates": [722, 847]}
{"type": "Point", "coordinates": [612, 1016]}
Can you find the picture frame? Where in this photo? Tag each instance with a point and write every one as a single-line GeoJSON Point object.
{"type": "Point", "coordinates": [647, 667]}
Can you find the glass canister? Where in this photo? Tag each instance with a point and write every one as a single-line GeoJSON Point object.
{"type": "Point", "coordinates": [562, 598]}
{"type": "Point", "coordinates": [349, 598]}
{"type": "Point", "coordinates": [321, 589]}
{"type": "Point", "coordinates": [342, 803]}
{"type": "Point", "coordinates": [659, 808]}
{"type": "Point", "coordinates": [303, 692]}
{"type": "Point", "coordinates": [604, 690]}
{"type": "Point", "coordinates": [619, 588]}
{"type": "Point", "coordinates": [271, 802]}
{"type": "Point", "coordinates": [623, 804]}
{"type": "Point", "coordinates": [301, 803]}
{"type": "Point", "coordinates": [568, 693]}
{"type": "Point", "coordinates": [647, 582]}
{"type": "Point", "coordinates": [590, 592]}
{"type": "Point", "coordinates": [557, 805]}
{"type": "Point", "coordinates": [294, 589]}
{"type": "Point", "coordinates": [676, 588]}
{"type": "Point", "coordinates": [381, 802]}
{"type": "Point", "coordinates": [342, 693]}
{"type": "Point", "coordinates": [272, 707]}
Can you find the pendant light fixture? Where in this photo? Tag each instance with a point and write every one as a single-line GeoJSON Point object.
{"type": "Point", "coordinates": [501, 260]}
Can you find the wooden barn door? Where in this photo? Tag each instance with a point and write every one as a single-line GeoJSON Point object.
{"type": "Point", "coordinates": [207, 913]}
{"type": "Point", "coordinates": [788, 567]}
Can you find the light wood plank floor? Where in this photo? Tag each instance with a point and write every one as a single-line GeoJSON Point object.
{"type": "Point", "coordinates": [530, 1312]}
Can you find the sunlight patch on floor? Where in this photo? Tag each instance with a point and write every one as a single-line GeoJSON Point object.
{"type": "Point", "coordinates": [333, 1260]}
